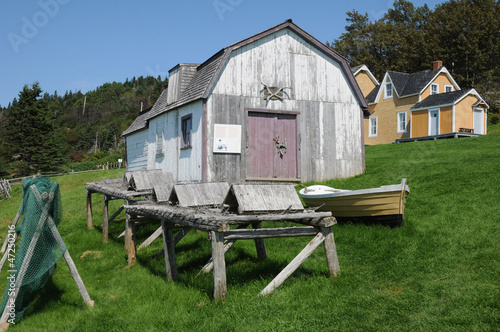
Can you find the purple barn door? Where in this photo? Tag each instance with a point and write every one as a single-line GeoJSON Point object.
{"type": "Point", "coordinates": [272, 146]}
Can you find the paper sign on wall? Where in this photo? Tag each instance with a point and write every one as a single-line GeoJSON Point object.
{"type": "Point", "coordinates": [227, 138]}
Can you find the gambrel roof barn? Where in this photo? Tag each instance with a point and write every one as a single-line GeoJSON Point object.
{"type": "Point", "coordinates": [279, 105]}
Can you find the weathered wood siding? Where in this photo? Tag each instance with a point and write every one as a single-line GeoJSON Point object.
{"type": "Point", "coordinates": [184, 164]}
{"type": "Point", "coordinates": [137, 151]}
{"type": "Point", "coordinates": [329, 114]}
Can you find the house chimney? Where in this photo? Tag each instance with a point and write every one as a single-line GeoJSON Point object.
{"type": "Point", "coordinates": [179, 78]}
{"type": "Point", "coordinates": [437, 64]}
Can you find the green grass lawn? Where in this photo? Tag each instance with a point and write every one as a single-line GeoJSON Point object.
{"type": "Point", "coordinates": [439, 272]}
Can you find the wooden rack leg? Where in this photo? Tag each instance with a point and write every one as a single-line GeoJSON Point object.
{"type": "Point", "coordinates": [151, 238]}
{"type": "Point", "coordinates": [227, 245]}
{"type": "Point", "coordinates": [259, 245]}
{"type": "Point", "coordinates": [183, 232]}
{"type": "Point", "coordinates": [169, 250]}
{"type": "Point", "coordinates": [332, 259]}
{"type": "Point", "coordinates": [294, 264]}
{"type": "Point", "coordinates": [220, 287]}
{"type": "Point", "coordinates": [129, 239]}
{"type": "Point", "coordinates": [89, 209]}
{"type": "Point", "coordinates": [105, 219]}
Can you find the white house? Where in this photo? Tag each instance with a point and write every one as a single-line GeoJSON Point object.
{"type": "Point", "coordinates": [279, 105]}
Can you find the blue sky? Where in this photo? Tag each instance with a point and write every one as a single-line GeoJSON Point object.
{"type": "Point", "coordinates": [79, 45]}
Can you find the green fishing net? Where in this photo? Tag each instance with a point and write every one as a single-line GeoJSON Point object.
{"type": "Point", "coordinates": [32, 261]}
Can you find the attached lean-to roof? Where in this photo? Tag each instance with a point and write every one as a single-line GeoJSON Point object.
{"type": "Point", "coordinates": [442, 99]}
{"type": "Point", "coordinates": [139, 123]}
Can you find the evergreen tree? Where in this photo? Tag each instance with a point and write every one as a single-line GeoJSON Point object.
{"type": "Point", "coordinates": [31, 141]}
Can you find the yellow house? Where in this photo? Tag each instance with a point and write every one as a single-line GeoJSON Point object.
{"type": "Point", "coordinates": [423, 105]}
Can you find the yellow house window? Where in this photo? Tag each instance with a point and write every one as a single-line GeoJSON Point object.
{"type": "Point", "coordinates": [401, 122]}
{"type": "Point", "coordinates": [372, 127]}
{"type": "Point", "coordinates": [434, 89]}
{"type": "Point", "coordinates": [388, 90]}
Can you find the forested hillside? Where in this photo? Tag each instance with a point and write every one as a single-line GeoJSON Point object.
{"type": "Point", "coordinates": [86, 126]}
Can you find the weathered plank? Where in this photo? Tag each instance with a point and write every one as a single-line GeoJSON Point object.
{"type": "Point", "coordinates": [264, 198]}
{"type": "Point", "coordinates": [259, 244]}
{"type": "Point", "coordinates": [176, 215]}
{"type": "Point", "coordinates": [220, 287]}
{"type": "Point", "coordinates": [169, 251]}
{"type": "Point", "coordinates": [89, 209]}
{"type": "Point", "coordinates": [199, 194]}
{"type": "Point", "coordinates": [332, 259]}
{"type": "Point", "coordinates": [146, 180]}
{"type": "Point", "coordinates": [151, 238]}
{"type": "Point", "coordinates": [105, 219]}
{"type": "Point", "coordinates": [266, 233]}
{"type": "Point", "coordinates": [294, 264]}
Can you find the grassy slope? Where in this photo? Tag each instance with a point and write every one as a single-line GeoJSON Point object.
{"type": "Point", "coordinates": [437, 272]}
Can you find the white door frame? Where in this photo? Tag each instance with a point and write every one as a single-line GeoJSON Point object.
{"type": "Point", "coordinates": [477, 109]}
{"type": "Point", "coordinates": [436, 110]}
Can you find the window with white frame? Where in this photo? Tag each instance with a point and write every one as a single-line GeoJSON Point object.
{"type": "Point", "coordinates": [401, 122]}
{"type": "Point", "coordinates": [448, 88]}
{"type": "Point", "coordinates": [388, 90]}
{"type": "Point", "coordinates": [373, 126]}
{"type": "Point", "coordinates": [434, 89]}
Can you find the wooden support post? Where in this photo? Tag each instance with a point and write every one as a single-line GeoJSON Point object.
{"type": "Point", "coordinates": [220, 287]}
{"type": "Point", "coordinates": [105, 219]}
{"type": "Point", "coordinates": [294, 264]}
{"type": "Point", "coordinates": [130, 238]}
{"type": "Point", "coordinates": [151, 238]}
{"type": "Point", "coordinates": [332, 259]}
{"type": "Point", "coordinates": [227, 245]}
{"type": "Point", "coordinates": [259, 244]}
{"type": "Point", "coordinates": [116, 214]}
{"type": "Point", "coordinates": [169, 250]}
{"type": "Point", "coordinates": [89, 209]}
{"type": "Point", "coordinates": [183, 232]}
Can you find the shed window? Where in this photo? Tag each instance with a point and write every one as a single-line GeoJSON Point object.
{"type": "Point", "coordinates": [401, 122]}
{"type": "Point", "coordinates": [434, 89]}
{"type": "Point", "coordinates": [372, 127]}
{"type": "Point", "coordinates": [186, 126]}
{"type": "Point", "coordinates": [159, 140]}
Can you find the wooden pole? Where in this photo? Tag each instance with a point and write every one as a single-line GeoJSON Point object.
{"type": "Point", "coordinates": [89, 209]}
{"type": "Point", "coordinates": [169, 250]}
{"type": "Point", "coordinates": [220, 287]}
{"type": "Point", "coordinates": [294, 264]}
{"type": "Point", "coordinates": [227, 245]}
{"type": "Point", "coordinates": [151, 238]}
{"type": "Point", "coordinates": [129, 238]}
{"type": "Point", "coordinates": [332, 259]}
{"type": "Point", "coordinates": [260, 245]}
{"type": "Point", "coordinates": [105, 219]}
